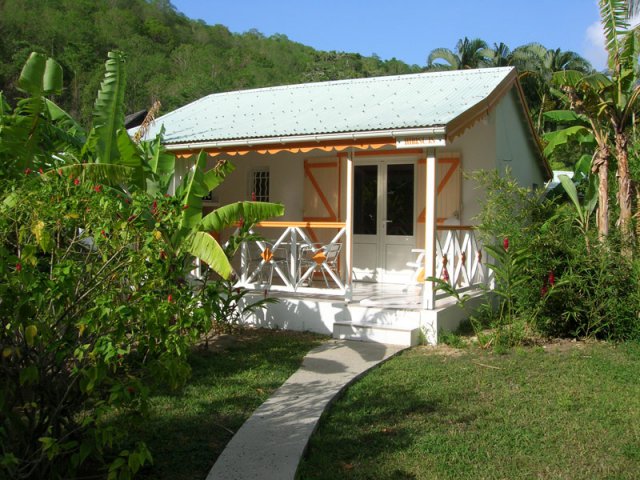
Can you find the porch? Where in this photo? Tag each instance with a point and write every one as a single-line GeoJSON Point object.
{"type": "Point", "coordinates": [318, 293]}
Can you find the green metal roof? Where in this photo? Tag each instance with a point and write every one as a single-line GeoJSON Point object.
{"type": "Point", "coordinates": [432, 99]}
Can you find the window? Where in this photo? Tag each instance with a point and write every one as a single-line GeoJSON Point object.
{"type": "Point", "coordinates": [259, 185]}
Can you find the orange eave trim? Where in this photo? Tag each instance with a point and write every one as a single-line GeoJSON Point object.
{"type": "Point", "coordinates": [296, 147]}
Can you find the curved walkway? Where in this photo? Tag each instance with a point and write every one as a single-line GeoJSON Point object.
{"type": "Point", "coordinates": [271, 443]}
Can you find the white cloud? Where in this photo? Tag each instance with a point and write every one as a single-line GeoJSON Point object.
{"type": "Point", "coordinates": [594, 49]}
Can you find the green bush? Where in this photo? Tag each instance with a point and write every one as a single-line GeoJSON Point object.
{"type": "Point", "coordinates": [95, 310]}
{"type": "Point", "coordinates": [568, 284]}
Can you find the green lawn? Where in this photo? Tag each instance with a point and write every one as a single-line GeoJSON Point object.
{"type": "Point", "coordinates": [187, 431]}
{"type": "Point", "coordinates": [570, 411]}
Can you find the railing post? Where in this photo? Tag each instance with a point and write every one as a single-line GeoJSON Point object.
{"type": "Point", "coordinates": [244, 262]}
{"type": "Point", "coordinates": [293, 257]}
{"type": "Point", "coordinates": [349, 230]}
{"type": "Point", "coordinates": [429, 294]}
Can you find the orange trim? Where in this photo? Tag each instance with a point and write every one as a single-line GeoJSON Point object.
{"type": "Point", "coordinates": [285, 224]}
{"type": "Point", "coordinates": [454, 163]}
{"type": "Point", "coordinates": [463, 228]}
{"type": "Point", "coordinates": [313, 235]}
{"type": "Point", "coordinates": [411, 151]}
{"type": "Point", "coordinates": [339, 186]}
{"type": "Point", "coordinates": [301, 147]}
{"type": "Point", "coordinates": [316, 186]}
{"type": "Point", "coordinates": [324, 164]}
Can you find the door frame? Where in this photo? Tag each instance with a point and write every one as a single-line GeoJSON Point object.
{"type": "Point", "coordinates": [378, 269]}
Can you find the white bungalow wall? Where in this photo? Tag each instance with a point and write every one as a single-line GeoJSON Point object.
{"type": "Point", "coordinates": [515, 149]}
{"type": "Point", "coordinates": [286, 173]}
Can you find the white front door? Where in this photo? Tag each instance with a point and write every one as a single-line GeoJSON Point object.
{"type": "Point", "coordinates": [384, 220]}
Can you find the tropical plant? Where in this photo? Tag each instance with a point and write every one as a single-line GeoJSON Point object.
{"type": "Point", "coordinates": [608, 103]}
{"type": "Point", "coordinates": [94, 256]}
{"type": "Point", "coordinates": [469, 53]}
{"type": "Point", "coordinates": [536, 65]}
{"type": "Point", "coordinates": [582, 123]}
{"type": "Point", "coordinates": [500, 55]}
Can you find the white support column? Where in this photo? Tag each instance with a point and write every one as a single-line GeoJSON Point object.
{"type": "Point", "coordinates": [429, 297]}
{"type": "Point", "coordinates": [349, 229]}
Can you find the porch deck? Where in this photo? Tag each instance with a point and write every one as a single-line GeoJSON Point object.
{"type": "Point", "coordinates": [384, 313]}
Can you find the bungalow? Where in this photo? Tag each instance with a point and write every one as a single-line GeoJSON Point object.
{"type": "Point", "coordinates": [370, 173]}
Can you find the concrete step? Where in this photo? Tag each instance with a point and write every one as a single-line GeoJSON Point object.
{"type": "Point", "coordinates": [377, 333]}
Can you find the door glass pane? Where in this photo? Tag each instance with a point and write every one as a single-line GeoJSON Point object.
{"type": "Point", "coordinates": [400, 215]}
{"type": "Point", "coordinates": [365, 202]}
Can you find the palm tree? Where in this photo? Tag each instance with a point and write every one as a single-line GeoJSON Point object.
{"type": "Point", "coordinates": [609, 102]}
{"type": "Point", "coordinates": [469, 53]}
{"type": "Point", "coordinates": [501, 55]}
{"type": "Point", "coordinates": [537, 65]}
{"type": "Point", "coordinates": [619, 99]}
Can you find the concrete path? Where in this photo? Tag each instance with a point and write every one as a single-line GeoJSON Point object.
{"type": "Point", "coordinates": [271, 443]}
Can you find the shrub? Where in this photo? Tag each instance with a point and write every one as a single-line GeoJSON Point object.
{"type": "Point", "coordinates": [95, 309]}
{"type": "Point", "coordinates": [566, 282]}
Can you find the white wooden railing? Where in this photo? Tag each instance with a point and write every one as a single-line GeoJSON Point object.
{"type": "Point", "coordinates": [460, 259]}
{"type": "Point", "coordinates": [278, 264]}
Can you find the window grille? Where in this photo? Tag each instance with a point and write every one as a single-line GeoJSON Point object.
{"type": "Point", "coordinates": [259, 185]}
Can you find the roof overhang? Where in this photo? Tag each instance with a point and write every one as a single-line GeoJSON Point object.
{"type": "Point", "coordinates": [413, 137]}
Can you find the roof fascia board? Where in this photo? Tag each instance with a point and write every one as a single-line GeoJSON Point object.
{"type": "Point", "coordinates": [466, 119]}
{"type": "Point", "coordinates": [458, 125]}
{"type": "Point", "coordinates": [321, 138]}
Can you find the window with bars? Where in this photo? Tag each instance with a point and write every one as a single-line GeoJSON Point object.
{"type": "Point", "coordinates": [259, 185]}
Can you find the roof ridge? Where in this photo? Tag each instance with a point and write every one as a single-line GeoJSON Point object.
{"type": "Point", "coordinates": [379, 78]}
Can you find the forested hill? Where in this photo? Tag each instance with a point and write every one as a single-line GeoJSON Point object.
{"type": "Point", "coordinates": [170, 57]}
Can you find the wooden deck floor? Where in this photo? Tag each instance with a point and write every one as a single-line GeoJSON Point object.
{"type": "Point", "coordinates": [385, 295]}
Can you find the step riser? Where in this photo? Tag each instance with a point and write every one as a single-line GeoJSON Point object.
{"type": "Point", "coordinates": [369, 333]}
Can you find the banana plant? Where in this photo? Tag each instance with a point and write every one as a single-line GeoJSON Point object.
{"type": "Point", "coordinates": [26, 129]}
{"type": "Point", "coordinates": [583, 209]}
{"type": "Point", "coordinates": [194, 232]}
{"type": "Point", "coordinates": [49, 138]}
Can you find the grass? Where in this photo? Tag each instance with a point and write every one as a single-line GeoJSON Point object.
{"type": "Point", "coordinates": [568, 411]}
{"type": "Point", "coordinates": [187, 431]}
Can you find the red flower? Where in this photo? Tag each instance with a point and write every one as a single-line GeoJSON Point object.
{"type": "Point", "coordinates": [154, 207]}
{"type": "Point", "coordinates": [97, 188]}
{"type": "Point", "coordinates": [18, 267]}
{"type": "Point", "coordinates": [505, 244]}
{"type": "Point", "coordinates": [40, 171]}
{"type": "Point", "coordinates": [184, 207]}
{"type": "Point", "coordinates": [170, 298]}
{"type": "Point", "coordinates": [253, 196]}
{"type": "Point", "coordinates": [103, 233]}
{"type": "Point", "coordinates": [241, 222]}
{"type": "Point", "coordinates": [76, 181]}
{"type": "Point", "coordinates": [552, 278]}
{"type": "Point", "coordinates": [27, 171]}
{"type": "Point", "coordinates": [543, 290]}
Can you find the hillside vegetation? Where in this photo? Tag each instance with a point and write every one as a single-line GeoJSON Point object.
{"type": "Point", "coordinates": [170, 57]}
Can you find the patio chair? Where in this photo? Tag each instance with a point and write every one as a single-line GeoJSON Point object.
{"type": "Point", "coordinates": [270, 256]}
{"type": "Point", "coordinates": [316, 258]}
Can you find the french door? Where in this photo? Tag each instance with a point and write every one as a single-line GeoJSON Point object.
{"type": "Point", "coordinates": [384, 220]}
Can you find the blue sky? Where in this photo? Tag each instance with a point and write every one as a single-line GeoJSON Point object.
{"type": "Point", "coordinates": [410, 29]}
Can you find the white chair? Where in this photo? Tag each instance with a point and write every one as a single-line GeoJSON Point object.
{"type": "Point", "coordinates": [324, 259]}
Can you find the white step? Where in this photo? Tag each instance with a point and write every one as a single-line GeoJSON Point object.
{"type": "Point", "coordinates": [376, 332]}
